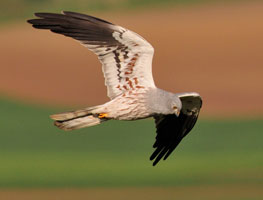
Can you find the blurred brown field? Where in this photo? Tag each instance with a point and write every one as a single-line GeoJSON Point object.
{"type": "Point", "coordinates": [226, 192]}
{"type": "Point", "coordinates": [215, 50]}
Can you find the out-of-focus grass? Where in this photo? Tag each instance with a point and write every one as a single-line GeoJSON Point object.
{"type": "Point", "coordinates": [21, 9]}
{"type": "Point", "coordinates": [34, 153]}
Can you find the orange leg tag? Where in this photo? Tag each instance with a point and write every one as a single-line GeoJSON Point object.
{"type": "Point", "coordinates": [103, 115]}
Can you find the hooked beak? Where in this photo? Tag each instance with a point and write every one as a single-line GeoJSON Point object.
{"type": "Point", "coordinates": [177, 112]}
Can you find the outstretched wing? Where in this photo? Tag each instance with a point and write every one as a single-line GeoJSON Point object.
{"type": "Point", "coordinates": [125, 56]}
{"type": "Point", "coordinates": [172, 129]}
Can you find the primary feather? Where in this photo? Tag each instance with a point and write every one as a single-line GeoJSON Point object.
{"type": "Point", "coordinates": [125, 56]}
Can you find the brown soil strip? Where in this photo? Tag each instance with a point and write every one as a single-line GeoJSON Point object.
{"type": "Point", "coordinates": [225, 192]}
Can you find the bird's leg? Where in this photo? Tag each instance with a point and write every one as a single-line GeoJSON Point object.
{"type": "Point", "coordinates": [103, 115]}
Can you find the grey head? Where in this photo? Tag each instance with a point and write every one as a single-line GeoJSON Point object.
{"type": "Point", "coordinates": [176, 104]}
{"type": "Point", "coordinates": [163, 102]}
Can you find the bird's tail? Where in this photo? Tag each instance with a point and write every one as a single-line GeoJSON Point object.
{"type": "Point", "coordinates": [77, 119]}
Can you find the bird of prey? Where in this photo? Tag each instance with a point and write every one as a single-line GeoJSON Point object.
{"type": "Point", "coordinates": [126, 60]}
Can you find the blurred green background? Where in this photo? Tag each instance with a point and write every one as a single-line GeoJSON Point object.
{"type": "Point", "coordinates": [36, 154]}
{"type": "Point", "coordinates": [221, 150]}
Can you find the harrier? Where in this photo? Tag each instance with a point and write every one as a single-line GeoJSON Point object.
{"type": "Point", "coordinates": [127, 66]}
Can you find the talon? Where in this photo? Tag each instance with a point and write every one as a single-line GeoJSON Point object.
{"type": "Point", "coordinates": [103, 115]}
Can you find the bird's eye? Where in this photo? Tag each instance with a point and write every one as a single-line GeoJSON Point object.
{"type": "Point", "coordinates": [174, 107]}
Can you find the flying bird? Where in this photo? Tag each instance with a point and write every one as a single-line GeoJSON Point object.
{"type": "Point", "coordinates": [126, 60]}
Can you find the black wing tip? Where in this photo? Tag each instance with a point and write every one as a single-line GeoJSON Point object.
{"type": "Point", "coordinates": [152, 157]}
{"type": "Point", "coordinates": [156, 157]}
{"type": "Point", "coordinates": [168, 154]}
{"type": "Point", "coordinates": [66, 12]}
{"type": "Point", "coordinates": [156, 161]}
{"type": "Point", "coordinates": [46, 14]}
{"type": "Point", "coordinates": [68, 15]}
{"type": "Point", "coordinates": [30, 21]}
{"type": "Point", "coordinates": [40, 15]}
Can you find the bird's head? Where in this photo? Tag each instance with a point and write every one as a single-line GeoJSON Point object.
{"type": "Point", "coordinates": [176, 105]}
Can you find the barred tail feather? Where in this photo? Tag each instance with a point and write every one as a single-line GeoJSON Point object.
{"type": "Point", "coordinates": [77, 123]}
{"type": "Point", "coordinates": [76, 119]}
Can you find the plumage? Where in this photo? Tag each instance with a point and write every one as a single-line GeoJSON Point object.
{"type": "Point", "coordinates": [124, 55]}
{"type": "Point", "coordinates": [172, 129]}
{"type": "Point", "coordinates": [126, 61]}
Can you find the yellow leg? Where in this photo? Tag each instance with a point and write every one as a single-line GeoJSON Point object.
{"type": "Point", "coordinates": [103, 115]}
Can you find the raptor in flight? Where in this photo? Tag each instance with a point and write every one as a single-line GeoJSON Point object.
{"type": "Point", "coordinates": [127, 66]}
